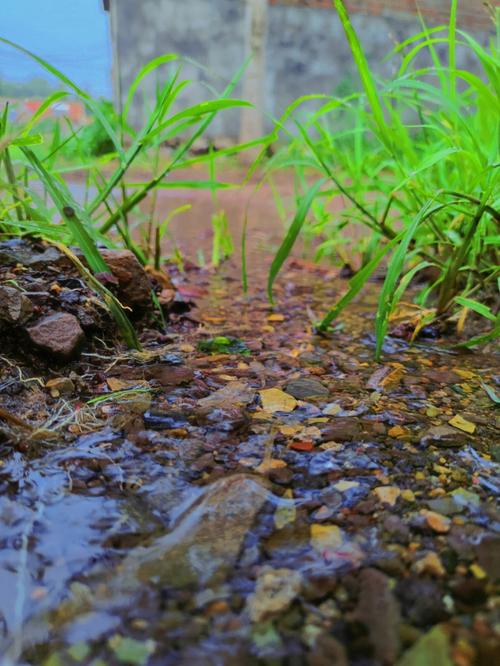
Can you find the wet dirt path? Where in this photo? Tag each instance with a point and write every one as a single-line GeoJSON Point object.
{"type": "Point", "coordinates": [254, 494]}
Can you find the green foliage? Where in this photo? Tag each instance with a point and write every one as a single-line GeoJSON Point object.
{"type": "Point", "coordinates": [224, 345]}
{"type": "Point", "coordinates": [222, 246]}
{"type": "Point", "coordinates": [35, 87]}
{"type": "Point", "coordinates": [94, 140]}
{"type": "Point", "coordinates": [414, 160]}
{"type": "Point", "coordinates": [37, 199]}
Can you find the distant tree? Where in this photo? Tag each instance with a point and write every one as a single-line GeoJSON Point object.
{"type": "Point", "coordinates": [35, 87]}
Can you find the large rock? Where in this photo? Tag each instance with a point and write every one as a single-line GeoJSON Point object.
{"type": "Point", "coordinates": [379, 611]}
{"type": "Point", "coordinates": [304, 389]}
{"type": "Point", "coordinates": [59, 334]}
{"type": "Point", "coordinates": [274, 592]}
{"type": "Point", "coordinates": [205, 541]}
{"type": "Point", "coordinates": [20, 251]}
{"type": "Point", "coordinates": [15, 307]}
{"type": "Point", "coordinates": [444, 436]}
{"type": "Point", "coordinates": [134, 285]}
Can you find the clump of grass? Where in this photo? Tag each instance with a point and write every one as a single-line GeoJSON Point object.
{"type": "Point", "coordinates": [37, 198]}
{"type": "Point", "coordinates": [415, 161]}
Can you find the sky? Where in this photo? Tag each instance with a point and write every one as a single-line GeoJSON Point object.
{"type": "Point", "coordinates": [71, 34]}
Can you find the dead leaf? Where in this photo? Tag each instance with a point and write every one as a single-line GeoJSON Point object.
{"type": "Point", "coordinates": [276, 400]}
{"type": "Point", "coordinates": [462, 424]}
{"type": "Point", "coordinates": [430, 564]}
{"type": "Point", "coordinates": [397, 431]}
{"type": "Point", "coordinates": [117, 384]}
{"type": "Point", "coordinates": [270, 464]}
{"type": "Point", "coordinates": [436, 521]}
{"type": "Point", "coordinates": [301, 446]}
{"type": "Point", "coordinates": [343, 486]}
{"type": "Point", "coordinates": [387, 494]}
{"type": "Point", "coordinates": [286, 512]}
{"type": "Point", "coordinates": [276, 317]}
{"type": "Point", "coordinates": [289, 430]}
{"type": "Point", "coordinates": [234, 394]}
{"type": "Point", "coordinates": [326, 537]}
{"type": "Point", "coordinates": [466, 374]}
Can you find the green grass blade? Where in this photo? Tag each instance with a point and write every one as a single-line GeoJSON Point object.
{"type": "Point", "coordinates": [293, 232]}
{"type": "Point", "coordinates": [387, 300]}
{"type": "Point", "coordinates": [67, 209]}
{"type": "Point", "coordinates": [476, 306]}
{"type": "Point", "coordinates": [365, 73]}
{"type": "Point", "coordinates": [78, 91]}
{"type": "Point", "coordinates": [452, 47]}
{"type": "Point", "coordinates": [357, 283]}
{"type": "Point", "coordinates": [144, 71]}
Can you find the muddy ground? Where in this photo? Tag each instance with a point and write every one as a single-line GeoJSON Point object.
{"type": "Point", "coordinates": [242, 491]}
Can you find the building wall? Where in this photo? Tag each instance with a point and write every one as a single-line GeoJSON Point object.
{"type": "Point", "coordinates": [302, 48]}
{"type": "Point", "coordinates": [212, 33]}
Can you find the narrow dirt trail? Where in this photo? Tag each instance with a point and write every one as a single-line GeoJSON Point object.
{"type": "Point", "coordinates": [245, 492]}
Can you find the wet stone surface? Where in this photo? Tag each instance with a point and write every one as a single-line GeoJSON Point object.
{"type": "Point", "coordinates": [164, 507]}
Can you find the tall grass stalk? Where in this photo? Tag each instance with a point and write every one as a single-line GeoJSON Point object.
{"type": "Point", "coordinates": [37, 198]}
{"type": "Point", "coordinates": [415, 159]}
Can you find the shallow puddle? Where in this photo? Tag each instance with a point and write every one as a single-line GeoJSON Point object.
{"type": "Point", "coordinates": [187, 524]}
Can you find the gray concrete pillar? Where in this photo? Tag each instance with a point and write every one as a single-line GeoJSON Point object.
{"type": "Point", "coordinates": [252, 120]}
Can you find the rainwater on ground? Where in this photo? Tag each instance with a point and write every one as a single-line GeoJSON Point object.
{"type": "Point", "coordinates": [245, 491]}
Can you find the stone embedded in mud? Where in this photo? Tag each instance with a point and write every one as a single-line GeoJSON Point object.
{"type": "Point", "coordinates": [60, 386]}
{"type": "Point", "coordinates": [443, 436]}
{"type": "Point", "coordinates": [166, 375]}
{"type": "Point", "coordinates": [423, 600]}
{"type": "Point", "coordinates": [234, 394]}
{"type": "Point", "coordinates": [15, 307]}
{"type": "Point", "coordinates": [327, 651]}
{"type": "Point", "coordinates": [488, 555]}
{"type": "Point", "coordinates": [134, 284]}
{"type": "Point", "coordinates": [20, 251]}
{"type": "Point", "coordinates": [341, 430]}
{"type": "Point", "coordinates": [379, 611]}
{"type": "Point", "coordinates": [59, 334]}
{"type": "Point", "coordinates": [274, 592]}
{"type": "Point", "coordinates": [304, 389]}
{"type": "Point", "coordinates": [206, 540]}
{"type": "Point", "coordinates": [430, 564]}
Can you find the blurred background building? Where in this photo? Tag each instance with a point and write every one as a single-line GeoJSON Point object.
{"type": "Point", "coordinates": [297, 47]}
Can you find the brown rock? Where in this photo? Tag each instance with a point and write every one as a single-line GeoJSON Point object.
{"type": "Point", "coordinates": [304, 389]}
{"type": "Point", "coordinates": [341, 430]}
{"type": "Point", "coordinates": [234, 394]}
{"type": "Point", "coordinates": [488, 555]}
{"type": "Point", "coordinates": [168, 375]}
{"type": "Point", "coordinates": [379, 611]}
{"type": "Point", "coordinates": [204, 542]}
{"type": "Point", "coordinates": [59, 334]}
{"type": "Point", "coordinates": [443, 375]}
{"type": "Point", "coordinates": [443, 436]}
{"type": "Point", "coordinates": [327, 651]}
{"type": "Point", "coordinates": [274, 592]}
{"type": "Point", "coordinates": [15, 307]}
{"type": "Point", "coordinates": [134, 285]}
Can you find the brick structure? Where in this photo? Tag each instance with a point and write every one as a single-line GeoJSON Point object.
{"type": "Point", "coordinates": [472, 14]}
{"type": "Point", "coordinates": [298, 47]}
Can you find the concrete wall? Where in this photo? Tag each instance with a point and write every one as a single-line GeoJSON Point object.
{"type": "Point", "coordinates": [298, 46]}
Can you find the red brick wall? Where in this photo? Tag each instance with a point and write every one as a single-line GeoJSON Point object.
{"type": "Point", "coordinates": [472, 14]}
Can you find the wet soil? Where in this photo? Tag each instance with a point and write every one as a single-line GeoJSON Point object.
{"type": "Point", "coordinates": [244, 491]}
